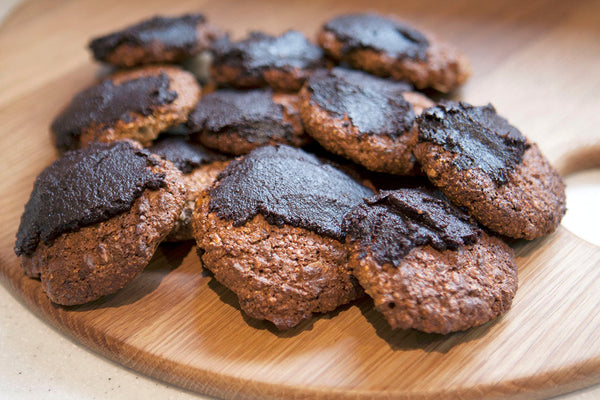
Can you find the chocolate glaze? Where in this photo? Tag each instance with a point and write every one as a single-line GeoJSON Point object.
{"type": "Point", "coordinates": [358, 31]}
{"type": "Point", "coordinates": [477, 135]}
{"type": "Point", "coordinates": [84, 187]}
{"type": "Point", "coordinates": [260, 51]}
{"type": "Point", "coordinates": [286, 186]}
{"type": "Point", "coordinates": [374, 105]}
{"type": "Point", "coordinates": [390, 224]}
{"type": "Point", "coordinates": [184, 155]}
{"type": "Point", "coordinates": [251, 114]}
{"type": "Point", "coordinates": [107, 103]}
{"type": "Point", "coordinates": [173, 34]}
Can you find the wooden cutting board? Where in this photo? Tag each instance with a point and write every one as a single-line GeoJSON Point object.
{"type": "Point", "coordinates": [538, 62]}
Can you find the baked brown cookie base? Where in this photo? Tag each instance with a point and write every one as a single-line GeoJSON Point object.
{"type": "Point", "coordinates": [195, 182]}
{"type": "Point", "coordinates": [143, 128]}
{"type": "Point", "coordinates": [529, 206]}
{"type": "Point", "coordinates": [444, 68]}
{"type": "Point", "coordinates": [100, 259]}
{"type": "Point", "coordinates": [379, 153]}
{"type": "Point", "coordinates": [281, 274]}
{"type": "Point", "coordinates": [441, 291]}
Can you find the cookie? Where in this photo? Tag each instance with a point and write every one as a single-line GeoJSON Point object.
{"type": "Point", "coordinates": [480, 161]}
{"type": "Point", "coordinates": [282, 62]}
{"type": "Point", "coordinates": [95, 218]}
{"type": "Point", "coordinates": [270, 231]}
{"type": "Point", "coordinates": [136, 104]}
{"type": "Point", "coordinates": [200, 167]}
{"type": "Point", "coordinates": [236, 122]}
{"type": "Point", "coordinates": [426, 264]}
{"type": "Point", "coordinates": [385, 47]}
{"type": "Point", "coordinates": [156, 40]}
{"type": "Point", "coordinates": [366, 119]}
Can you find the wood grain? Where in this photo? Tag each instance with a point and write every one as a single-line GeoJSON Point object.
{"type": "Point", "coordinates": [536, 61]}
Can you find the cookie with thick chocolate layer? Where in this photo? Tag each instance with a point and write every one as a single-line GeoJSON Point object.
{"type": "Point", "coordinates": [136, 104]}
{"type": "Point", "coordinates": [270, 230]}
{"type": "Point", "coordinates": [366, 119]}
{"type": "Point", "coordinates": [200, 167]}
{"type": "Point", "coordinates": [95, 218]}
{"type": "Point", "coordinates": [426, 264]}
{"type": "Point", "coordinates": [156, 40]}
{"type": "Point", "coordinates": [481, 162]}
{"type": "Point", "coordinates": [386, 47]}
{"type": "Point", "coordinates": [235, 122]}
{"type": "Point", "coordinates": [282, 62]}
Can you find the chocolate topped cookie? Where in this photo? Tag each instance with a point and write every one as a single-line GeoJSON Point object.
{"type": "Point", "coordinates": [270, 230]}
{"type": "Point", "coordinates": [200, 167]}
{"type": "Point", "coordinates": [485, 164]}
{"type": "Point", "coordinates": [135, 104]}
{"type": "Point", "coordinates": [236, 122]}
{"type": "Point", "coordinates": [366, 119]}
{"type": "Point", "coordinates": [426, 263]}
{"type": "Point", "coordinates": [94, 219]}
{"type": "Point", "coordinates": [186, 156]}
{"type": "Point", "coordinates": [281, 62]}
{"type": "Point", "coordinates": [156, 40]}
{"type": "Point", "coordinates": [385, 47]}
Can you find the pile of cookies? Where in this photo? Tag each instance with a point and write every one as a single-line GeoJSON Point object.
{"type": "Point", "coordinates": [308, 175]}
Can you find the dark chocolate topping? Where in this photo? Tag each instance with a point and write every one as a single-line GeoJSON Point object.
{"type": "Point", "coordinates": [261, 51]}
{"type": "Point", "coordinates": [84, 187]}
{"type": "Point", "coordinates": [374, 105]}
{"type": "Point", "coordinates": [252, 114]}
{"type": "Point", "coordinates": [477, 135]}
{"type": "Point", "coordinates": [357, 31]}
{"type": "Point", "coordinates": [107, 103]}
{"type": "Point", "coordinates": [286, 186]}
{"type": "Point", "coordinates": [184, 155]}
{"type": "Point", "coordinates": [392, 223]}
{"type": "Point", "coordinates": [173, 33]}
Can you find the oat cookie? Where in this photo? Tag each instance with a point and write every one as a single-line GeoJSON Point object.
{"type": "Point", "coordinates": [481, 162]}
{"type": "Point", "coordinates": [235, 121]}
{"type": "Point", "coordinates": [136, 104]}
{"type": "Point", "coordinates": [426, 263]}
{"type": "Point", "coordinates": [386, 47]}
{"type": "Point", "coordinates": [156, 40]}
{"type": "Point", "coordinates": [270, 230]}
{"type": "Point", "coordinates": [366, 119]}
{"type": "Point", "coordinates": [282, 62]}
{"type": "Point", "coordinates": [95, 218]}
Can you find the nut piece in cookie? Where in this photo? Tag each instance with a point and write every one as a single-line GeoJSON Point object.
{"type": "Point", "coordinates": [135, 104]}
{"type": "Point", "coordinates": [270, 231]}
{"type": "Point", "coordinates": [385, 47]}
{"type": "Point", "coordinates": [156, 40]}
{"type": "Point", "coordinates": [426, 264]}
{"type": "Point", "coordinates": [200, 167]}
{"type": "Point", "coordinates": [281, 62]}
{"type": "Point", "coordinates": [480, 161]}
{"type": "Point", "coordinates": [95, 218]}
{"type": "Point", "coordinates": [236, 122]}
{"type": "Point", "coordinates": [366, 119]}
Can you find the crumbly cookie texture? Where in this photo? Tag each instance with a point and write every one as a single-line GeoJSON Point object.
{"type": "Point", "coordinates": [282, 62]}
{"type": "Point", "coordinates": [488, 167]}
{"type": "Point", "coordinates": [366, 119]}
{"type": "Point", "coordinates": [156, 40]}
{"type": "Point", "coordinates": [236, 121]}
{"type": "Point", "coordinates": [134, 104]}
{"type": "Point", "coordinates": [426, 264]}
{"type": "Point", "coordinates": [386, 47]}
{"type": "Point", "coordinates": [83, 264]}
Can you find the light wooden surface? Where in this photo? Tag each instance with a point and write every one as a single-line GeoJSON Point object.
{"type": "Point", "coordinates": [537, 62]}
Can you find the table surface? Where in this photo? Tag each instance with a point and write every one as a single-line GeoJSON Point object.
{"type": "Point", "coordinates": [36, 361]}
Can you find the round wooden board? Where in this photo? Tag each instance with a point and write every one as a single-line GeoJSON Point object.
{"type": "Point", "coordinates": [537, 62]}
